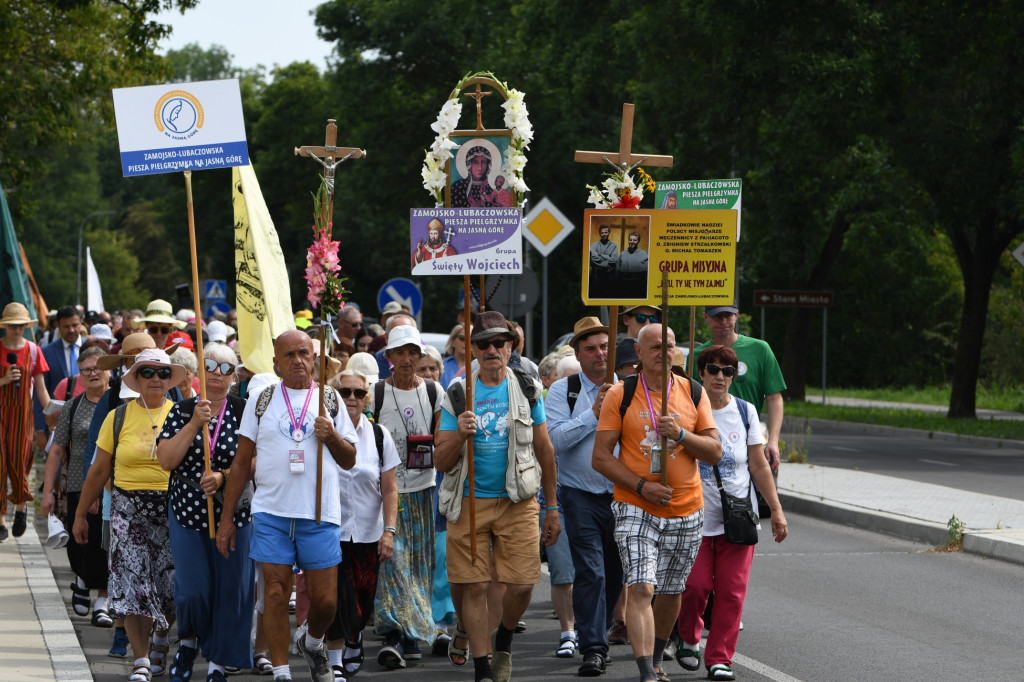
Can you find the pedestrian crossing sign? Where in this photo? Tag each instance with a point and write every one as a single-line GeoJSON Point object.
{"type": "Point", "coordinates": [216, 289]}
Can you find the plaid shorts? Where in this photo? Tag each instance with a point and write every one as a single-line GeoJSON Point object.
{"type": "Point", "coordinates": [654, 550]}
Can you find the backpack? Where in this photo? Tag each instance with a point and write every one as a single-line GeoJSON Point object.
{"type": "Point", "coordinates": [263, 402]}
{"type": "Point", "coordinates": [629, 388]}
{"type": "Point", "coordinates": [457, 391]}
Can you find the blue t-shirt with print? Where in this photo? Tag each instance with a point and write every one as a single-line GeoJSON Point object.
{"type": "Point", "coordinates": [490, 445]}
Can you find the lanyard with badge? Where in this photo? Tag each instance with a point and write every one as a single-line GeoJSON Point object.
{"type": "Point", "coordinates": [297, 457]}
{"type": "Point", "coordinates": [656, 446]}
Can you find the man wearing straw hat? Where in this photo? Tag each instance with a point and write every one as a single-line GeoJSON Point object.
{"type": "Point", "coordinates": [512, 457]}
{"type": "Point", "coordinates": [23, 366]}
{"type": "Point", "coordinates": [281, 429]}
{"type": "Point", "coordinates": [573, 406]}
{"type": "Point", "coordinates": [658, 518]}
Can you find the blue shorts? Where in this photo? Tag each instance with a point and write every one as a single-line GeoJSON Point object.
{"type": "Point", "coordinates": [560, 565]}
{"type": "Point", "coordinates": [295, 542]}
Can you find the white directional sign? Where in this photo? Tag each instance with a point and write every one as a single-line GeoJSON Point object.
{"type": "Point", "coordinates": [1018, 253]}
{"type": "Point", "coordinates": [545, 227]}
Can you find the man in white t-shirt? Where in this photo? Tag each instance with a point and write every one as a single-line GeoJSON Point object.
{"type": "Point", "coordinates": [284, 432]}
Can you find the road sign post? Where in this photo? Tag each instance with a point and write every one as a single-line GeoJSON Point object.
{"type": "Point", "coordinates": [765, 298]}
{"type": "Point", "coordinates": [545, 228]}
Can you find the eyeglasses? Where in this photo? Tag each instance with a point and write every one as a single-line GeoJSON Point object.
{"type": "Point", "coordinates": [150, 372]}
{"type": "Point", "coordinates": [359, 393]}
{"type": "Point", "coordinates": [644, 319]}
{"type": "Point", "coordinates": [487, 343]}
{"type": "Point", "coordinates": [158, 330]}
{"type": "Point", "coordinates": [226, 368]}
{"type": "Point", "coordinates": [715, 369]}
{"type": "Point", "coordinates": [90, 370]}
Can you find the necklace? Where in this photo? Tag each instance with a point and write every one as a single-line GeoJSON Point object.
{"type": "Point", "coordinates": [152, 449]}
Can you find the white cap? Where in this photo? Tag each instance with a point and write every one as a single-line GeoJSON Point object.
{"type": "Point", "coordinates": [58, 536]}
{"type": "Point", "coordinates": [217, 332]}
{"type": "Point", "coordinates": [366, 364]}
{"type": "Point", "coordinates": [404, 335]}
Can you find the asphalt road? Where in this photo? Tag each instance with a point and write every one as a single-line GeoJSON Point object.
{"type": "Point", "coordinates": [981, 468]}
{"type": "Point", "coordinates": [831, 603]}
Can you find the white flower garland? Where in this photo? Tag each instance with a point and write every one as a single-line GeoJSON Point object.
{"type": "Point", "coordinates": [517, 119]}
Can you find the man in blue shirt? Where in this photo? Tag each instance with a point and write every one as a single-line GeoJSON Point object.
{"type": "Point", "coordinates": [512, 458]}
{"type": "Point", "coordinates": [586, 495]}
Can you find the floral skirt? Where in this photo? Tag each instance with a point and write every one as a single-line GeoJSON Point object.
{"type": "Point", "coordinates": [404, 582]}
{"type": "Point", "coordinates": [141, 581]}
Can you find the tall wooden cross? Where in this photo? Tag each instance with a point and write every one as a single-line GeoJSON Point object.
{"type": "Point", "coordinates": [330, 156]}
{"type": "Point", "coordinates": [625, 160]}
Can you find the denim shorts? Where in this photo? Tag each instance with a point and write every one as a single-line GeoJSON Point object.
{"type": "Point", "coordinates": [295, 542]}
{"type": "Point", "coordinates": [560, 565]}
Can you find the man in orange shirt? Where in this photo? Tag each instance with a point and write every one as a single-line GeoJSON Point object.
{"type": "Point", "coordinates": [657, 527]}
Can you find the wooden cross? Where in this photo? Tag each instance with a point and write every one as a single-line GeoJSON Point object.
{"type": "Point", "coordinates": [330, 156]}
{"type": "Point", "coordinates": [478, 96]}
{"type": "Point", "coordinates": [624, 160]}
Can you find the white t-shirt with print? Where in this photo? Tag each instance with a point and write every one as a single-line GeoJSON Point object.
{"type": "Point", "coordinates": [408, 413]}
{"type": "Point", "coordinates": [279, 491]}
{"type": "Point", "coordinates": [733, 467]}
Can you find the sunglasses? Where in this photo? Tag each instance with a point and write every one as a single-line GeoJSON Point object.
{"type": "Point", "coordinates": [715, 369]}
{"type": "Point", "coordinates": [150, 372]}
{"type": "Point", "coordinates": [359, 393]}
{"type": "Point", "coordinates": [644, 319]}
{"type": "Point", "coordinates": [158, 330]}
{"type": "Point", "coordinates": [487, 343]}
{"type": "Point", "coordinates": [226, 368]}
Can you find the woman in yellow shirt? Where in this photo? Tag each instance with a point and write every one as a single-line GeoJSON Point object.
{"type": "Point", "coordinates": [141, 584]}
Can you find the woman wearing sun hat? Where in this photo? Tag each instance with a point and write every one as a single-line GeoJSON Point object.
{"type": "Point", "coordinates": [159, 321]}
{"type": "Point", "coordinates": [22, 366]}
{"type": "Point", "coordinates": [141, 583]}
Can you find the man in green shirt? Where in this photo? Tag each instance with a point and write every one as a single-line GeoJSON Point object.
{"type": "Point", "coordinates": [759, 380]}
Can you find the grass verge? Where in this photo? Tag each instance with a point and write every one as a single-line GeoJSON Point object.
{"type": "Point", "coordinates": [908, 419]}
{"type": "Point", "coordinates": [1010, 398]}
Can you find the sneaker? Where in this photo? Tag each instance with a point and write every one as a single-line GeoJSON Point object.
{"type": "Point", "coordinates": [412, 650]}
{"type": "Point", "coordinates": [392, 654]}
{"type": "Point", "coordinates": [3, 533]}
{"type": "Point", "coordinates": [319, 666]}
{"type": "Point", "coordinates": [291, 603]}
{"type": "Point", "coordinates": [520, 627]}
{"type": "Point", "coordinates": [671, 647]}
{"type": "Point", "coordinates": [180, 669]}
{"type": "Point", "coordinates": [119, 649]}
{"type": "Point", "coordinates": [593, 664]}
{"type": "Point", "coordinates": [20, 524]}
{"type": "Point", "coordinates": [300, 632]}
{"type": "Point", "coordinates": [617, 633]}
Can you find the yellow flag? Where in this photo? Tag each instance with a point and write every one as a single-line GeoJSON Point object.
{"type": "Point", "coordinates": [263, 297]}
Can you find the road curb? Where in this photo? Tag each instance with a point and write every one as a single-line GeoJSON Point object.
{"type": "Point", "coordinates": [65, 651]}
{"type": "Point", "coordinates": [990, 544]}
{"type": "Point", "coordinates": [881, 430]}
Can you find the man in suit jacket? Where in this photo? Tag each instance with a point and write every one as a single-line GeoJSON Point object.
{"type": "Point", "coordinates": [62, 357]}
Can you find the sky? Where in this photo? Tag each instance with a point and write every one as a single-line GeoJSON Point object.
{"type": "Point", "coordinates": [255, 32]}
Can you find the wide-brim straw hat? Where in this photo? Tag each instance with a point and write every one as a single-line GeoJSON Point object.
{"type": "Point", "coordinates": [585, 327]}
{"type": "Point", "coordinates": [156, 358]}
{"type": "Point", "coordinates": [16, 313]}
{"type": "Point", "coordinates": [132, 345]}
{"type": "Point", "coordinates": [159, 311]}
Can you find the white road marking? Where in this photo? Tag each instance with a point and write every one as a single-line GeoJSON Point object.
{"type": "Point", "coordinates": [932, 461]}
{"type": "Point", "coordinates": [762, 669]}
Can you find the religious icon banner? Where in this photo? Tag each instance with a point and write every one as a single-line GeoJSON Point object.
{"type": "Point", "coordinates": [625, 252]}
{"type": "Point", "coordinates": [466, 241]}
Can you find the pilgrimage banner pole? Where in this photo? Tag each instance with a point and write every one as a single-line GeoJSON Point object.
{"type": "Point", "coordinates": [666, 362]}
{"type": "Point", "coordinates": [207, 465]}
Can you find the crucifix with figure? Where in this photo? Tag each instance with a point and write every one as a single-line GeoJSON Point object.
{"type": "Point", "coordinates": [624, 160]}
{"type": "Point", "coordinates": [330, 156]}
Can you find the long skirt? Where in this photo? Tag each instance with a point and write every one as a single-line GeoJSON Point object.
{"type": "Point", "coordinates": [141, 581]}
{"type": "Point", "coordinates": [404, 582]}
